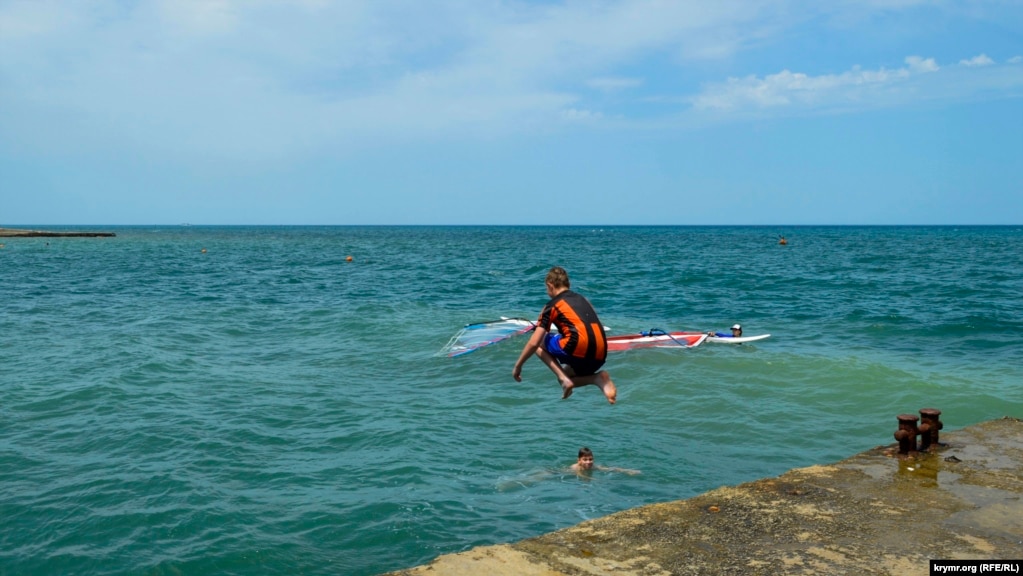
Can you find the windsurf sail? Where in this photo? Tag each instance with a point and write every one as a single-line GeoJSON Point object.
{"type": "Point", "coordinates": [475, 336]}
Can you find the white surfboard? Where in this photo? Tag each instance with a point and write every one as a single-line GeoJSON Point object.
{"type": "Point", "coordinates": [736, 339]}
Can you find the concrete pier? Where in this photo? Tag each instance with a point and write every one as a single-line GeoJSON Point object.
{"type": "Point", "coordinates": [876, 513]}
{"type": "Point", "coordinates": [16, 233]}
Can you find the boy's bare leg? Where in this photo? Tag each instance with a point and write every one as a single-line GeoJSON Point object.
{"type": "Point", "coordinates": [601, 380]}
{"type": "Point", "coordinates": [567, 382]}
{"type": "Point", "coordinates": [607, 386]}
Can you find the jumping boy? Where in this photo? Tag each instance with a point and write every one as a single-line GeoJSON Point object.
{"type": "Point", "coordinates": [576, 350]}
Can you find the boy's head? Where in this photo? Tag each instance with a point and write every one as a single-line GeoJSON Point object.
{"type": "Point", "coordinates": [557, 277]}
{"type": "Point", "coordinates": [585, 458]}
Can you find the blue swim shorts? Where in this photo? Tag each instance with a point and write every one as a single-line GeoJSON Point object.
{"type": "Point", "coordinates": [553, 345]}
{"type": "Point", "coordinates": [580, 366]}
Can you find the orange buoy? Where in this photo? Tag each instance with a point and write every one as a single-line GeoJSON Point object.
{"type": "Point", "coordinates": [348, 259]}
{"type": "Point", "coordinates": [783, 241]}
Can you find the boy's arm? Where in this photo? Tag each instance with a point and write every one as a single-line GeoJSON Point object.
{"type": "Point", "coordinates": [534, 342]}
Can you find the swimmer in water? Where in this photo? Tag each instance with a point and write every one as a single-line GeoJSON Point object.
{"type": "Point", "coordinates": [585, 464]}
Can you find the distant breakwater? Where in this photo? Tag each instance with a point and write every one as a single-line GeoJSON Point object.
{"type": "Point", "coordinates": [14, 233]}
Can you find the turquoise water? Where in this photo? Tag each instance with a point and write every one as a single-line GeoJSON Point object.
{"type": "Point", "coordinates": [267, 407]}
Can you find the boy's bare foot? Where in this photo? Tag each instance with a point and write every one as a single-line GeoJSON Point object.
{"type": "Point", "coordinates": [566, 389]}
{"type": "Point", "coordinates": [607, 386]}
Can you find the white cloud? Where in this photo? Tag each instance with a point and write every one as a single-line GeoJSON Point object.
{"type": "Point", "coordinates": [574, 115]}
{"type": "Point", "coordinates": [918, 64]}
{"type": "Point", "coordinates": [200, 16]}
{"type": "Point", "coordinates": [268, 77]}
{"type": "Point", "coordinates": [260, 74]}
{"type": "Point", "coordinates": [921, 79]}
{"type": "Point", "coordinates": [981, 60]}
{"type": "Point", "coordinates": [30, 19]}
{"type": "Point", "coordinates": [788, 88]}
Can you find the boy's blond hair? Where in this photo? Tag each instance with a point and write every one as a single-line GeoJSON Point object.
{"type": "Point", "coordinates": [558, 277]}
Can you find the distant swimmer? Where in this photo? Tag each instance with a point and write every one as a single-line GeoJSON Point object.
{"type": "Point", "coordinates": [736, 332]}
{"type": "Point", "coordinates": [576, 350]}
{"type": "Point", "coordinates": [585, 464]}
{"type": "Point", "coordinates": [583, 468]}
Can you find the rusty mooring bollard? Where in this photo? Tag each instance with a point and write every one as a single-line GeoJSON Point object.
{"type": "Point", "coordinates": [929, 427]}
{"type": "Point", "coordinates": [907, 433]}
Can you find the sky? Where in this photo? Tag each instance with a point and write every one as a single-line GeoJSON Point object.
{"type": "Point", "coordinates": [598, 112]}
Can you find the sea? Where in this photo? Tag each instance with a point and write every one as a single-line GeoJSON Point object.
{"type": "Point", "coordinates": [192, 400]}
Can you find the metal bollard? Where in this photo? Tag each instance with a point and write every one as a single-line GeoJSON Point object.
{"type": "Point", "coordinates": [929, 427]}
{"type": "Point", "coordinates": [907, 433]}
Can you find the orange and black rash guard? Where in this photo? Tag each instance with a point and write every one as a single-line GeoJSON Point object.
{"type": "Point", "coordinates": [582, 334]}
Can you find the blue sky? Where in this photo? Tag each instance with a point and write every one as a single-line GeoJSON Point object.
{"type": "Point", "coordinates": [500, 112]}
